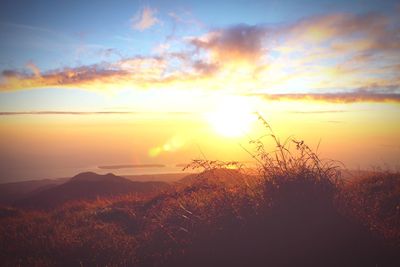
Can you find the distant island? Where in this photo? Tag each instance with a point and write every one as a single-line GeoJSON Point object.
{"type": "Point", "coordinates": [128, 166]}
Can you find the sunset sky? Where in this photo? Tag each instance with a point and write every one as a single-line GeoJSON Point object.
{"type": "Point", "coordinates": [87, 83]}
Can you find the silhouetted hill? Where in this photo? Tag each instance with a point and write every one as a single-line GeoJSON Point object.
{"type": "Point", "coordinates": [11, 192]}
{"type": "Point", "coordinates": [85, 186]}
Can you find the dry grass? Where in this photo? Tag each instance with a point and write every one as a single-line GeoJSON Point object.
{"type": "Point", "coordinates": [375, 201]}
{"type": "Point", "coordinates": [294, 212]}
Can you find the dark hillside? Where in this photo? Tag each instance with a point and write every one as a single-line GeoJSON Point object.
{"type": "Point", "coordinates": [86, 186]}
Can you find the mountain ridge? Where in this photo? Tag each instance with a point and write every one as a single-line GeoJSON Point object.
{"type": "Point", "coordinates": [88, 186]}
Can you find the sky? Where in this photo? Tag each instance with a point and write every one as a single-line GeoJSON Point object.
{"type": "Point", "coordinates": [88, 83]}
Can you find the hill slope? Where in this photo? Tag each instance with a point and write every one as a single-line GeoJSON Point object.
{"type": "Point", "coordinates": [288, 222]}
{"type": "Point", "coordinates": [85, 186]}
{"type": "Point", "coordinates": [11, 192]}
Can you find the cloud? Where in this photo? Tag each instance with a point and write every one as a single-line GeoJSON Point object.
{"type": "Point", "coordinates": [68, 77]}
{"type": "Point", "coordinates": [316, 58]}
{"type": "Point", "coordinates": [204, 67]}
{"type": "Point", "coordinates": [33, 68]}
{"type": "Point", "coordinates": [185, 17]}
{"type": "Point", "coordinates": [342, 32]}
{"type": "Point", "coordinates": [10, 74]}
{"type": "Point", "coordinates": [145, 19]}
{"type": "Point", "coordinates": [134, 73]}
{"type": "Point", "coordinates": [335, 97]}
{"type": "Point", "coordinates": [240, 42]}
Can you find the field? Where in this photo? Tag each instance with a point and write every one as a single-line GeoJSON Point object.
{"type": "Point", "coordinates": [295, 210]}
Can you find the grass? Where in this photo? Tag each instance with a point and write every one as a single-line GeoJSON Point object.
{"type": "Point", "coordinates": [295, 211]}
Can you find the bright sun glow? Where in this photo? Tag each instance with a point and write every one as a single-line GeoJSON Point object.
{"type": "Point", "coordinates": [233, 117]}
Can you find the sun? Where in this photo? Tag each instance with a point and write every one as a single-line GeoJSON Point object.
{"type": "Point", "coordinates": [233, 117]}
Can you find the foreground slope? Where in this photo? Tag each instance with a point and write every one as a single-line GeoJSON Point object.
{"type": "Point", "coordinates": [294, 221]}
